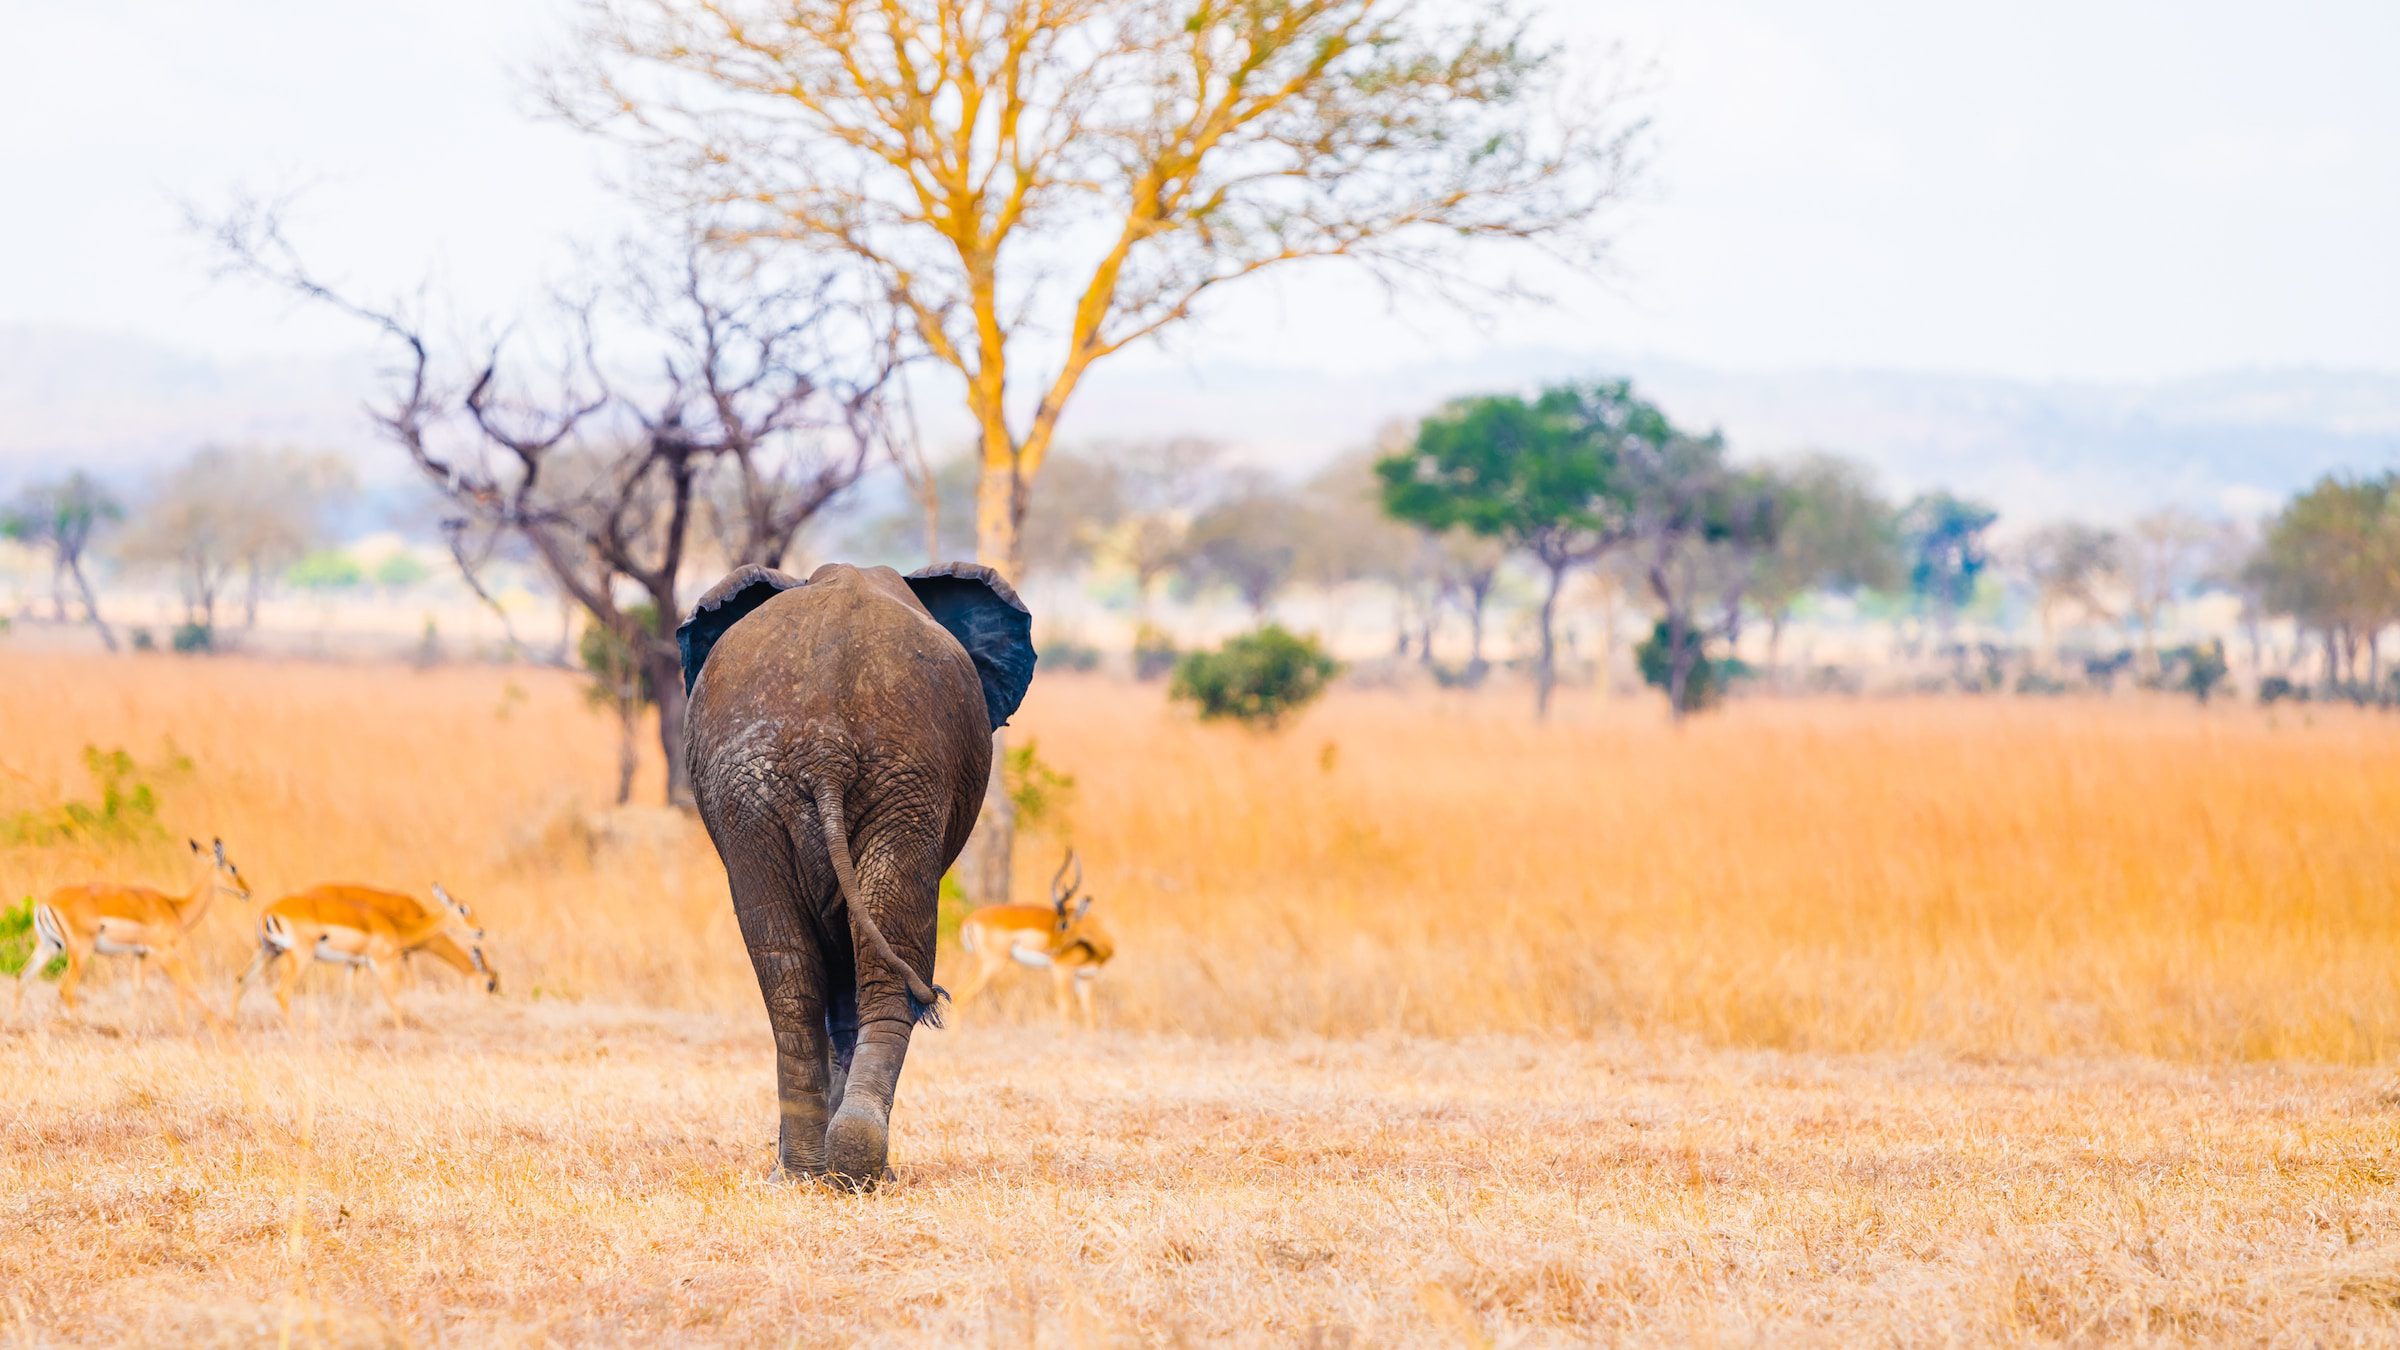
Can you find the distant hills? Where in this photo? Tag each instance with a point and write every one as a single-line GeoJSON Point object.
{"type": "Point", "coordinates": [2232, 443]}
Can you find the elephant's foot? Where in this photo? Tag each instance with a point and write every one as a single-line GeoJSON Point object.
{"type": "Point", "coordinates": [855, 1145]}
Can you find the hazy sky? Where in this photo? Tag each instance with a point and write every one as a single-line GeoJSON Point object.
{"type": "Point", "coordinates": [2101, 189]}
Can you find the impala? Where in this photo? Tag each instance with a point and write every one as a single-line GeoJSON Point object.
{"type": "Point", "coordinates": [1068, 942]}
{"type": "Point", "coordinates": [135, 921]}
{"type": "Point", "coordinates": [358, 926]}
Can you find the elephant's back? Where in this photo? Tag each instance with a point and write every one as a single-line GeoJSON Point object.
{"type": "Point", "coordinates": [845, 659]}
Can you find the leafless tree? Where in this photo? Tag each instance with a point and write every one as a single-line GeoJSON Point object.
{"type": "Point", "coordinates": [762, 408]}
{"type": "Point", "coordinates": [1166, 483]}
{"type": "Point", "coordinates": [62, 519]}
{"type": "Point", "coordinates": [1040, 184]}
{"type": "Point", "coordinates": [226, 513]}
{"type": "Point", "coordinates": [2161, 554]}
{"type": "Point", "coordinates": [1250, 543]}
{"type": "Point", "coordinates": [2071, 565]}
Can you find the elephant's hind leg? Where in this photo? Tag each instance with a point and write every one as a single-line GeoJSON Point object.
{"type": "Point", "coordinates": [791, 978]}
{"type": "Point", "coordinates": [902, 894]}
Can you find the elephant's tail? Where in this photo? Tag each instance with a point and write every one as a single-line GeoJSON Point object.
{"type": "Point", "coordinates": [926, 999]}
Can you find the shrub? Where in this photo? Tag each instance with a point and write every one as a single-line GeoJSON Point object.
{"type": "Point", "coordinates": [1040, 793]}
{"type": "Point", "coordinates": [1154, 654]}
{"type": "Point", "coordinates": [2204, 669]}
{"type": "Point", "coordinates": [400, 571]}
{"type": "Point", "coordinates": [326, 570]}
{"type": "Point", "coordinates": [1705, 686]}
{"type": "Point", "coordinates": [143, 641]}
{"type": "Point", "coordinates": [1257, 679]}
{"type": "Point", "coordinates": [2275, 689]}
{"type": "Point", "coordinates": [126, 812]}
{"type": "Point", "coordinates": [194, 639]}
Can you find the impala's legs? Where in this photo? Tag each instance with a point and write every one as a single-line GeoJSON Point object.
{"type": "Point", "coordinates": [981, 975]}
{"type": "Point", "coordinates": [1061, 975]}
{"type": "Point", "coordinates": [77, 955]}
{"type": "Point", "coordinates": [170, 964]}
{"type": "Point", "coordinates": [141, 984]}
{"type": "Point", "coordinates": [387, 983]}
{"type": "Point", "coordinates": [286, 980]}
{"type": "Point", "coordinates": [1084, 978]}
{"type": "Point", "coordinates": [267, 952]}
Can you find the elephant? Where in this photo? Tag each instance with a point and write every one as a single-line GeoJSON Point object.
{"type": "Point", "coordinates": [840, 740]}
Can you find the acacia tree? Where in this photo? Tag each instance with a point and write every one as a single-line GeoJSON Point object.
{"type": "Point", "coordinates": [61, 518]}
{"type": "Point", "coordinates": [1698, 528]}
{"type": "Point", "coordinates": [1836, 532]}
{"type": "Point", "coordinates": [1165, 484]}
{"type": "Point", "coordinates": [2070, 563]}
{"type": "Point", "coordinates": [1546, 475]}
{"type": "Point", "coordinates": [1468, 571]}
{"type": "Point", "coordinates": [2331, 560]}
{"type": "Point", "coordinates": [1944, 538]}
{"type": "Point", "coordinates": [1249, 543]}
{"type": "Point", "coordinates": [2161, 554]}
{"type": "Point", "coordinates": [763, 406]}
{"type": "Point", "coordinates": [225, 513]}
{"type": "Point", "coordinates": [1036, 185]}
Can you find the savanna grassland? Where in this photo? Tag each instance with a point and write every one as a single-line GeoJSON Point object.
{"type": "Point", "coordinates": [1831, 1022]}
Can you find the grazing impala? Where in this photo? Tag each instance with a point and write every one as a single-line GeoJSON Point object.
{"type": "Point", "coordinates": [361, 926]}
{"type": "Point", "coordinates": [136, 921]}
{"type": "Point", "coordinates": [1068, 941]}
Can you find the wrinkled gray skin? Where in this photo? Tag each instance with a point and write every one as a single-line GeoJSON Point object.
{"type": "Point", "coordinates": [844, 692]}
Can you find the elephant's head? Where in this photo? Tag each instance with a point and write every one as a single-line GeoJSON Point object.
{"type": "Point", "coordinates": [974, 603]}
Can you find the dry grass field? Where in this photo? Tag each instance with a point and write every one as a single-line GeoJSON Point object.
{"type": "Point", "coordinates": [1813, 1022]}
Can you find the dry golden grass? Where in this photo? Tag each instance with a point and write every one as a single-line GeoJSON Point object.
{"type": "Point", "coordinates": [547, 1174]}
{"type": "Point", "coordinates": [1827, 1021]}
{"type": "Point", "coordinates": [1994, 879]}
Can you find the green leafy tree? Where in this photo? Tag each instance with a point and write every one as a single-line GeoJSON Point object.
{"type": "Point", "coordinates": [1947, 550]}
{"type": "Point", "coordinates": [1837, 534]}
{"type": "Point", "coordinates": [1257, 679]}
{"type": "Point", "coordinates": [330, 569]}
{"type": "Point", "coordinates": [400, 571]}
{"type": "Point", "coordinates": [61, 518]}
{"type": "Point", "coordinates": [1545, 475]}
{"type": "Point", "coordinates": [2331, 560]}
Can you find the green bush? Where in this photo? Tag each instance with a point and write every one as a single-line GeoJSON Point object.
{"type": "Point", "coordinates": [143, 642]}
{"type": "Point", "coordinates": [326, 570]}
{"type": "Point", "coordinates": [1041, 794]}
{"type": "Point", "coordinates": [1705, 686]}
{"type": "Point", "coordinates": [400, 571]}
{"type": "Point", "coordinates": [126, 812]}
{"type": "Point", "coordinates": [1257, 679]}
{"type": "Point", "coordinates": [194, 639]}
{"type": "Point", "coordinates": [2204, 669]}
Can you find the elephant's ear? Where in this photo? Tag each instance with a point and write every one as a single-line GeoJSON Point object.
{"type": "Point", "coordinates": [726, 604]}
{"type": "Point", "coordinates": [985, 615]}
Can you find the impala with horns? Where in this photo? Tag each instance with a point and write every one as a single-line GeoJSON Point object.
{"type": "Point", "coordinates": [357, 926]}
{"type": "Point", "coordinates": [136, 921]}
{"type": "Point", "coordinates": [1061, 937]}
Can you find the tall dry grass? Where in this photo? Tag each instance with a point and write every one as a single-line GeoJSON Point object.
{"type": "Point", "coordinates": [1989, 879]}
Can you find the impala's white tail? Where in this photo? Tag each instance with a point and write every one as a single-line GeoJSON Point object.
{"type": "Point", "coordinates": [49, 943]}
